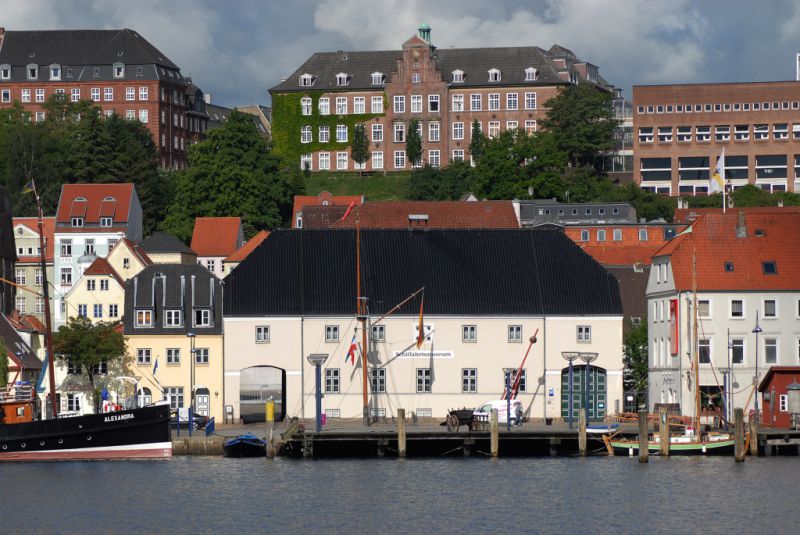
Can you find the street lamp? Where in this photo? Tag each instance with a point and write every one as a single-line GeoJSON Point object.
{"type": "Point", "coordinates": [756, 330]}
{"type": "Point", "coordinates": [317, 360]}
{"type": "Point", "coordinates": [191, 337]}
{"type": "Point", "coordinates": [588, 358]}
{"type": "Point", "coordinates": [570, 356]}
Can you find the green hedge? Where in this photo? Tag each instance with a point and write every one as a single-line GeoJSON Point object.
{"type": "Point", "coordinates": [287, 119]}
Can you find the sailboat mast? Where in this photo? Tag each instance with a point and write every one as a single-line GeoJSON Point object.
{"type": "Point", "coordinates": [48, 335]}
{"type": "Point", "coordinates": [361, 314]}
{"type": "Point", "coordinates": [695, 356]}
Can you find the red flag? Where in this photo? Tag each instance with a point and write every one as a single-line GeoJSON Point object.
{"type": "Point", "coordinates": [421, 330]}
{"type": "Point", "coordinates": [351, 353]}
{"type": "Point", "coordinates": [347, 212]}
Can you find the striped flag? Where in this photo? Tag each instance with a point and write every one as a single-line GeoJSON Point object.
{"type": "Point", "coordinates": [421, 328]}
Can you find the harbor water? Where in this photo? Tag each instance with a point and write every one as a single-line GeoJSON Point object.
{"type": "Point", "coordinates": [541, 495]}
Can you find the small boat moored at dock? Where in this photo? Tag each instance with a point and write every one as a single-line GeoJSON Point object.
{"type": "Point", "coordinates": [246, 445]}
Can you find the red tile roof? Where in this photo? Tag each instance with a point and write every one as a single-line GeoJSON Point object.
{"type": "Point", "coordinates": [713, 237]}
{"type": "Point", "coordinates": [622, 255]}
{"type": "Point", "coordinates": [100, 266]}
{"type": "Point", "coordinates": [135, 249]}
{"type": "Point", "coordinates": [32, 322]}
{"type": "Point", "coordinates": [432, 214]}
{"type": "Point", "coordinates": [248, 247]}
{"type": "Point", "coordinates": [325, 198]}
{"type": "Point", "coordinates": [216, 236]}
{"type": "Point", "coordinates": [687, 215]}
{"type": "Point", "coordinates": [48, 226]}
{"type": "Point", "coordinates": [98, 199]}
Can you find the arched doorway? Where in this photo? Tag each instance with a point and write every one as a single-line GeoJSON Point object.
{"type": "Point", "coordinates": [202, 401]}
{"type": "Point", "coordinates": [257, 384]}
{"type": "Point", "coordinates": [596, 405]}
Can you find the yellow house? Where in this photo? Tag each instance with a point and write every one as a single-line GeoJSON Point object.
{"type": "Point", "coordinates": [173, 325]}
{"type": "Point", "coordinates": [166, 249]}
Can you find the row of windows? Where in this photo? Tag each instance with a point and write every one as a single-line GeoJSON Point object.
{"type": "Point", "coordinates": [21, 276]}
{"type": "Point", "coordinates": [55, 70]}
{"type": "Point", "coordinates": [417, 103]}
{"type": "Point", "coordinates": [469, 333]}
{"type": "Point", "coordinates": [73, 368]}
{"type": "Point", "coordinates": [20, 304]}
{"type": "Point", "coordinates": [174, 318]}
{"type": "Point", "coordinates": [65, 245]}
{"type": "Point", "coordinates": [97, 311]}
{"type": "Point", "coordinates": [767, 167]}
{"type": "Point", "coordinates": [144, 355]}
{"type": "Point", "coordinates": [734, 349]}
{"type": "Point", "coordinates": [770, 308]}
{"type": "Point", "coordinates": [718, 107]}
{"type": "Point", "coordinates": [722, 133]}
{"type": "Point", "coordinates": [38, 94]}
{"type": "Point", "coordinates": [469, 380]}
{"type": "Point", "coordinates": [378, 78]}
{"type": "Point", "coordinates": [601, 234]}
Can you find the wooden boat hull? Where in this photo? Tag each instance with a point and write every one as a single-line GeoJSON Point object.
{"type": "Point", "coordinates": [245, 446]}
{"type": "Point", "coordinates": [130, 434]}
{"type": "Point", "coordinates": [719, 447]}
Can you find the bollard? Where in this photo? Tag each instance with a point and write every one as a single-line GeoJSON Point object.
{"type": "Point", "coordinates": [270, 422]}
{"type": "Point", "coordinates": [582, 433]}
{"type": "Point", "coordinates": [495, 441]}
{"type": "Point", "coordinates": [753, 435]}
{"type": "Point", "coordinates": [643, 451]}
{"type": "Point", "coordinates": [663, 431]}
{"type": "Point", "coordinates": [738, 435]}
{"type": "Point", "coordinates": [401, 433]}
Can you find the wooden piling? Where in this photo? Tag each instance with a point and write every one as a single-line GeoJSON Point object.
{"type": "Point", "coordinates": [270, 422]}
{"type": "Point", "coordinates": [582, 433]}
{"type": "Point", "coordinates": [643, 451]}
{"type": "Point", "coordinates": [753, 435]}
{"type": "Point", "coordinates": [738, 435]}
{"type": "Point", "coordinates": [495, 440]}
{"type": "Point", "coordinates": [663, 431]}
{"type": "Point", "coordinates": [401, 433]}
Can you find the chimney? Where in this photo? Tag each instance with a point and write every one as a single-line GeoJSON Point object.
{"type": "Point", "coordinates": [741, 228]}
{"type": "Point", "coordinates": [207, 98]}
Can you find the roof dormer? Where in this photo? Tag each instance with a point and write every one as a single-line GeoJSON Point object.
{"type": "Point", "coordinates": [5, 71]}
{"type": "Point", "coordinates": [119, 70]}
{"type": "Point", "coordinates": [378, 78]}
{"type": "Point", "coordinates": [531, 74]}
{"type": "Point", "coordinates": [32, 71]}
{"type": "Point", "coordinates": [306, 80]}
{"type": "Point", "coordinates": [458, 76]}
{"type": "Point", "coordinates": [494, 75]}
{"type": "Point", "coordinates": [342, 79]}
{"type": "Point", "coordinates": [55, 71]}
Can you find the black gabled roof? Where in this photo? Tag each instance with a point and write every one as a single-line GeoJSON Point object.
{"type": "Point", "coordinates": [80, 47]}
{"type": "Point", "coordinates": [15, 344]}
{"type": "Point", "coordinates": [159, 242]}
{"type": "Point", "coordinates": [475, 62]}
{"type": "Point", "coordinates": [464, 272]}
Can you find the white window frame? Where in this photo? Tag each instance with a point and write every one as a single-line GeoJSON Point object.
{"type": "Point", "coordinates": [434, 104]}
{"type": "Point", "coordinates": [515, 333]}
{"type": "Point", "coordinates": [457, 102]}
{"type": "Point", "coordinates": [493, 102]}
{"type": "Point", "coordinates": [324, 134]}
{"type": "Point", "coordinates": [399, 104]}
{"type": "Point", "coordinates": [399, 159]}
{"type": "Point", "coordinates": [377, 132]}
{"type": "Point", "coordinates": [359, 105]}
{"type": "Point", "coordinates": [205, 317]}
{"type": "Point", "coordinates": [376, 105]}
{"type": "Point", "coordinates": [433, 131]}
{"type": "Point", "coordinates": [144, 356]}
{"type": "Point", "coordinates": [416, 104]}
{"type": "Point", "coordinates": [469, 333]}
{"type": "Point", "coordinates": [341, 105]}
{"type": "Point", "coordinates": [584, 334]}
{"type": "Point", "coordinates": [475, 102]}
{"type": "Point", "coordinates": [262, 334]}
{"type": "Point", "coordinates": [774, 301]}
{"type": "Point", "coordinates": [377, 159]}
{"type": "Point", "coordinates": [144, 317]}
{"type": "Point", "coordinates": [730, 309]}
{"type": "Point", "coordinates": [324, 106]}
{"type": "Point", "coordinates": [530, 100]}
{"type": "Point", "coordinates": [173, 318]}
{"type": "Point", "coordinates": [305, 106]}
{"type": "Point", "coordinates": [332, 334]}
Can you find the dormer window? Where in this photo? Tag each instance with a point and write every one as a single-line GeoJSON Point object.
{"type": "Point", "coordinates": [77, 222]}
{"type": "Point", "coordinates": [96, 72]}
{"type": "Point", "coordinates": [119, 70]}
{"type": "Point", "coordinates": [33, 71]}
{"type": "Point", "coordinates": [5, 71]}
{"type": "Point", "coordinates": [531, 74]}
{"type": "Point", "coordinates": [458, 76]}
{"type": "Point", "coordinates": [494, 75]}
{"type": "Point", "coordinates": [377, 78]}
{"type": "Point", "coordinates": [55, 72]}
{"type": "Point", "coordinates": [342, 79]}
{"type": "Point", "coordinates": [106, 221]}
{"type": "Point", "coordinates": [306, 80]}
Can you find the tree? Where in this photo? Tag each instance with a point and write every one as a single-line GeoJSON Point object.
{"type": "Point", "coordinates": [635, 364]}
{"type": "Point", "coordinates": [477, 143]}
{"type": "Point", "coordinates": [582, 121]}
{"type": "Point", "coordinates": [233, 173]}
{"type": "Point", "coordinates": [88, 346]}
{"type": "Point", "coordinates": [414, 143]}
{"type": "Point", "coordinates": [359, 151]}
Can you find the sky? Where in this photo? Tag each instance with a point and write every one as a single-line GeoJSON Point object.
{"type": "Point", "coordinates": [237, 49]}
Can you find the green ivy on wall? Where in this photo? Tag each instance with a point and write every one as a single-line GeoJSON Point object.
{"type": "Point", "coordinates": [287, 120]}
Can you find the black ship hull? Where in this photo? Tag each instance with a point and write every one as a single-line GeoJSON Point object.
{"type": "Point", "coordinates": [138, 433]}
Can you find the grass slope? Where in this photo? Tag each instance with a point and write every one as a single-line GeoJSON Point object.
{"type": "Point", "coordinates": [376, 187]}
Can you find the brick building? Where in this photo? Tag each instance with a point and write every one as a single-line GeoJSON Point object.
{"type": "Point", "coordinates": [118, 70]}
{"type": "Point", "coordinates": [681, 130]}
{"type": "Point", "coordinates": [444, 89]}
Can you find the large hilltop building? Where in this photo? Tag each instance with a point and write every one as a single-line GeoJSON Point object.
{"type": "Point", "coordinates": [316, 109]}
{"type": "Point", "coordinates": [118, 70]}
